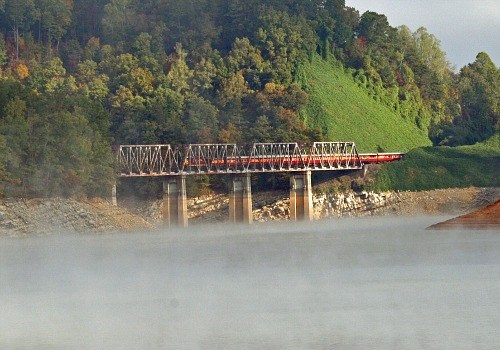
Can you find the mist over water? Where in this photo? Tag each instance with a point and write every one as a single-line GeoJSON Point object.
{"type": "Point", "coordinates": [344, 284]}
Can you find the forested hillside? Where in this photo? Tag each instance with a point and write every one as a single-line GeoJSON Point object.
{"type": "Point", "coordinates": [79, 76]}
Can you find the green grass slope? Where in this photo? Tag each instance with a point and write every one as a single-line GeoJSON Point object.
{"type": "Point", "coordinates": [429, 168]}
{"type": "Point", "coordinates": [346, 113]}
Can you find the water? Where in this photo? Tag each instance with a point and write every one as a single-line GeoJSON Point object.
{"type": "Point", "coordinates": [339, 284]}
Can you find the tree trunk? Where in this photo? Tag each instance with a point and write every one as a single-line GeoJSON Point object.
{"type": "Point", "coordinates": [16, 39]}
{"type": "Point", "coordinates": [49, 42]}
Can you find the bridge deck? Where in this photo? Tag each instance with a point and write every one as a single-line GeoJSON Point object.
{"type": "Point", "coordinates": [167, 160]}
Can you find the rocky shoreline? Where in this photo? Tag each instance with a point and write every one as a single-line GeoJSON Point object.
{"type": "Point", "coordinates": [273, 206]}
{"type": "Point", "coordinates": [20, 217]}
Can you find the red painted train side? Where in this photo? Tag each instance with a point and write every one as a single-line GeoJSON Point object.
{"type": "Point", "coordinates": [376, 158]}
{"type": "Point", "coordinates": [365, 158]}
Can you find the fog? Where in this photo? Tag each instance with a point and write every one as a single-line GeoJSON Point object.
{"type": "Point", "coordinates": [344, 284]}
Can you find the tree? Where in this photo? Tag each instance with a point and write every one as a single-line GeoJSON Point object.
{"type": "Point", "coordinates": [191, 23]}
{"type": "Point", "coordinates": [14, 133]}
{"type": "Point", "coordinates": [262, 130]}
{"type": "Point", "coordinates": [231, 97]}
{"type": "Point", "coordinates": [280, 105]}
{"type": "Point", "coordinates": [54, 17]}
{"type": "Point", "coordinates": [233, 90]}
{"type": "Point", "coordinates": [285, 41]}
{"type": "Point", "coordinates": [4, 174]}
{"type": "Point", "coordinates": [141, 81]}
{"type": "Point", "coordinates": [45, 77]}
{"type": "Point", "coordinates": [376, 30]}
{"type": "Point", "coordinates": [120, 20]}
{"type": "Point", "coordinates": [71, 54]}
{"type": "Point", "coordinates": [92, 84]}
{"type": "Point", "coordinates": [3, 53]}
{"type": "Point", "coordinates": [239, 19]}
{"type": "Point", "coordinates": [102, 162]}
{"type": "Point", "coordinates": [247, 59]}
{"type": "Point", "coordinates": [379, 38]}
{"type": "Point", "coordinates": [180, 74]}
{"type": "Point", "coordinates": [65, 148]}
{"type": "Point", "coordinates": [92, 49]}
{"type": "Point", "coordinates": [166, 111]}
{"type": "Point", "coordinates": [204, 74]}
{"type": "Point", "coordinates": [429, 51]}
{"type": "Point", "coordinates": [346, 21]}
{"type": "Point", "coordinates": [142, 45]}
{"type": "Point", "coordinates": [87, 19]}
{"type": "Point", "coordinates": [118, 69]}
{"type": "Point", "coordinates": [19, 14]}
{"type": "Point", "coordinates": [158, 34]}
{"type": "Point", "coordinates": [201, 121]}
{"type": "Point", "coordinates": [479, 91]}
{"type": "Point", "coordinates": [231, 134]}
{"type": "Point", "coordinates": [58, 154]}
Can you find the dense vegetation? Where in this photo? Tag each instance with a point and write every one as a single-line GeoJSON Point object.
{"type": "Point", "coordinates": [344, 111]}
{"type": "Point", "coordinates": [443, 167]}
{"type": "Point", "coordinates": [78, 76]}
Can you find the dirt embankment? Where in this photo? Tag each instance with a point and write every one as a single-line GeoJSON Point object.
{"type": "Point", "coordinates": [46, 216]}
{"type": "Point", "coordinates": [487, 218]}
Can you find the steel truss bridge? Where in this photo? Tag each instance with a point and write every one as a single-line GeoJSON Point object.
{"type": "Point", "coordinates": [168, 160]}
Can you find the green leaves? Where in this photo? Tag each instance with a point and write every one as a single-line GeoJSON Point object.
{"type": "Point", "coordinates": [284, 41]}
{"type": "Point", "coordinates": [201, 121]}
{"type": "Point", "coordinates": [54, 17]}
{"type": "Point", "coordinates": [120, 18]}
{"type": "Point", "coordinates": [479, 89]}
{"type": "Point", "coordinates": [52, 144]}
{"type": "Point", "coordinates": [175, 71]}
{"type": "Point", "coordinates": [179, 74]}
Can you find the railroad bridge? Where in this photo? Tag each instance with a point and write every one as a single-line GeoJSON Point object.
{"type": "Point", "coordinates": [174, 163]}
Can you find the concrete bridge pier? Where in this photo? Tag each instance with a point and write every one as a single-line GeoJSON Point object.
{"type": "Point", "coordinates": [240, 199]}
{"type": "Point", "coordinates": [175, 201]}
{"type": "Point", "coordinates": [301, 206]}
{"type": "Point", "coordinates": [113, 195]}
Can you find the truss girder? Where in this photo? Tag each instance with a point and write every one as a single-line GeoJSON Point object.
{"type": "Point", "coordinates": [337, 155]}
{"type": "Point", "coordinates": [148, 160]}
{"type": "Point", "coordinates": [211, 158]}
{"type": "Point", "coordinates": [165, 160]}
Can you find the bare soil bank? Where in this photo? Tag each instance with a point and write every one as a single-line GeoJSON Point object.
{"type": "Point", "coordinates": [20, 217]}
{"type": "Point", "coordinates": [487, 218]}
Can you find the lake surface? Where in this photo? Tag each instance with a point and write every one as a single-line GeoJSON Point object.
{"type": "Point", "coordinates": [334, 284]}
